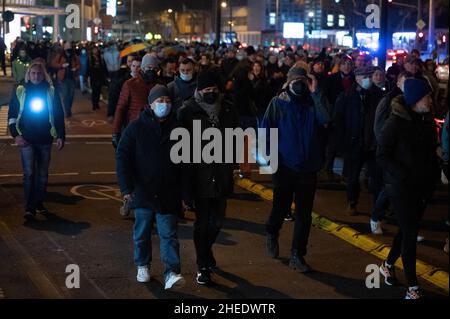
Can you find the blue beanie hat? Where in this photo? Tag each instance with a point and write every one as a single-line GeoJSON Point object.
{"type": "Point", "coordinates": [415, 90]}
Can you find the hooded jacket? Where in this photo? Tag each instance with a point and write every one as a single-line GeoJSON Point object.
{"type": "Point", "coordinates": [407, 151]}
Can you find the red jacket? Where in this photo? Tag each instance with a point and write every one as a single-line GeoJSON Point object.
{"type": "Point", "coordinates": [133, 98]}
{"type": "Point", "coordinates": [58, 61]}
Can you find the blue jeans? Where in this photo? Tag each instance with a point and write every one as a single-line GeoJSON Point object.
{"type": "Point", "coordinates": [167, 231]}
{"type": "Point", "coordinates": [35, 163]}
{"type": "Point", "coordinates": [67, 91]}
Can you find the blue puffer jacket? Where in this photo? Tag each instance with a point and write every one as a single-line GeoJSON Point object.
{"type": "Point", "coordinates": [299, 144]}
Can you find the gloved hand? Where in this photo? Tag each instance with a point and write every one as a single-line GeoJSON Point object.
{"type": "Point", "coordinates": [115, 140]}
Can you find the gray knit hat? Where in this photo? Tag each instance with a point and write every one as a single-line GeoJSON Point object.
{"type": "Point", "coordinates": [156, 92]}
{"type": "Point", "coordinates": [149, 61]}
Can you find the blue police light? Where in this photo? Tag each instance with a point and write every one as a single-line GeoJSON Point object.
{"type": "Point", "coordinates": [37, 105]}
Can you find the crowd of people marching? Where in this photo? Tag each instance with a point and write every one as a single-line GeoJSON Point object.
{"type": "Point", "coordinates": [325, 107]}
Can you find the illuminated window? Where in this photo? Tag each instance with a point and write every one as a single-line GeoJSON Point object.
{"type": "Point", "coordinates": [342, 20]}
{"type": "Point", "coordinates": [330, 20]}
{"type": "Point", "coordinates": [272, 18]}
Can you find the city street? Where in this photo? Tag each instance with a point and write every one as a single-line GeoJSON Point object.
{"type": "Point", "coordinates": [84, 228]}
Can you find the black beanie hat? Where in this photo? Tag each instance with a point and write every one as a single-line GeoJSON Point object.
{"type": "Point", "coordinates": [207, 78]}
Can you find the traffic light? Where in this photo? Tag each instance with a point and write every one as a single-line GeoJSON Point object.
{"type": "Point", "coordinates": [444, 38]}
{"type": "Point", "coordinates": [33, 27]}
{"type": "Point", "coordinates": [96, 30]}
{"type": "Point", "coordinates": [420, 36]}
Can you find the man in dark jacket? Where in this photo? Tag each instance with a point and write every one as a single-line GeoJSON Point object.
{"type": "Point", "coordinates": [354, 117]}
{"type": "Point", "coordinates": [208, 184]}
{"type": "Point", "coordinates": [228, 64]}
{"type": "Point", "coordinates": [184, 85]}
{"type": "Point", "coordinates": [333, 86]}
{"type": "Point", "coordinates": [35, 119]}
{"type": "Point", "coordinates": [300, 153]}
{"type": "Point", "coordinates": [407, 154]}
{"type": "Point", "coordinates": [150, 180]}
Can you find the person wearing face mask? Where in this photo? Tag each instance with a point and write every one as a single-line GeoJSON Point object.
{"type": "Point", "coordinates": [168, 70]}
{"type": "Point", "coordinates": [208, 185]}
{"type": "Point", "coordinates": [298, 113]}
{"type": "Point", "coordinates": [407, 153]}
{"type": "Point", "coordinates": [354, 116]}
{"type": "Point", "coordinates": [184, 85]}
{"type": "Point", "coordinates": [133, 96]}
{"type": "Point", "coordinates": [20, 65]}
{"type": "Point", "coordinates": [149, 180]}
{"type": "Point", "coordinates": [129, 70]}
{"type": "Point", "coordinates": [66, 64]}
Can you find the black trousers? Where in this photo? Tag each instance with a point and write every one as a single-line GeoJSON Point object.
{"type": "Point", "coordinates": [409, 211]}
{"type": "Point", "coordinates": [288, 186]}
{"type": "Point", "coordinates": [354, 164]}
{"type": "Point", "coordinates": [209, 220]}
{"type": "Point", "coordinates": [96, 92]}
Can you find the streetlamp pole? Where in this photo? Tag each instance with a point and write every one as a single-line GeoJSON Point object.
{"type": "Point", "coordinates": [431, 26]}
{"type": "Point", "coordinates": [3, 20]}
{"type": "Point", "coordinates": [383, 34]}
{"type": "Point", "coordinates": [218, 22]}
{"type": "Point", "coordinates": [231, 22]}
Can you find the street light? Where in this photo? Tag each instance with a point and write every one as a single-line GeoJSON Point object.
{"type": "Point", "coordinates": [223, 4]}
{"type": "Point", "coordinates": [137, 22]}
{"type": "Point", "coordinates": [169, 10]}
{"type": "Point", "coordinates": [311, 14]}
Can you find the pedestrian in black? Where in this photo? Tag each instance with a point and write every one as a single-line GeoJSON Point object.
{"type": "Point", "coordinates": [208, 184]}
{"type": "Point", "coordinates": [407, 154]}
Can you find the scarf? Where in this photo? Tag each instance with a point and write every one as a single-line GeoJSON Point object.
{"type": "Point", "coordinates": [213, 110]}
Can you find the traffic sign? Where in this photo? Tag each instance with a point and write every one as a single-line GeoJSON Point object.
{"type": "Point", "coordinates": [421, 24]}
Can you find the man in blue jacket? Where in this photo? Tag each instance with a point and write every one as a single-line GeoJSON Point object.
{"type": "Point", "coordinates": [150, 180]}
{"type": "Point", "coordinates": [299, 114]}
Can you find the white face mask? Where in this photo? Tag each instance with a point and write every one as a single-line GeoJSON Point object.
{"type": "Point", "coordinates": [186, 77]}
{"type": "Point", "coordinates": [161, 110]}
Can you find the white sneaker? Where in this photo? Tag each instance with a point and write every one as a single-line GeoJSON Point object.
{"type": "Point", "coordinates": [420, 238]}
{"type": "Point", "coordinates": [143, 274]}
{"type": "Point", "coordinates": [174, 280]}
{"type": "Point", "coordinates": [375, 227]}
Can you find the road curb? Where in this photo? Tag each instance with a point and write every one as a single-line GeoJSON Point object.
{"type": "Point", "coordinates": [434, 275]}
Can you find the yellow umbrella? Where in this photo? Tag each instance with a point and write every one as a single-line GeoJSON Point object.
{"type": "Point", "coordinates": [133, 48]}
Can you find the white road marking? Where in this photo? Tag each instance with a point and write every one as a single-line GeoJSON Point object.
{"type": "Point", "coordinates": [102, 173]}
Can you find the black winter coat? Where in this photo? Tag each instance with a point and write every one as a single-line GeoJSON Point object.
{"type": "Point", "coordinates": [407, 152]}
{"type": "Point", "coordinates": [205, 180]}
{"type": "Point", "coordinates": [354, 117]}
{"type": "Point", "coordinates": [144, 167]}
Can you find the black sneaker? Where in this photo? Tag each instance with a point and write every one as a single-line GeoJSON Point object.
{"type": "Point", "coordinates": [389, 274]}
{"type": "Point", "coordinates": [298, 263]}
{"type": "Point", "coordinates": [289, 217]}
{"type": "Point", "coordinates": [272, 247]}
{"type": "Point", "coordinates": [29, 214]}
{"type": "Point", "coordinates": [204, 277]}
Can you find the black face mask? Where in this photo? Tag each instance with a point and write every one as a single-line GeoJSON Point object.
{"type": "Point", "coordinates": [150, 76]}
{"type": "Point", "coordinates": [210, 97]}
